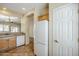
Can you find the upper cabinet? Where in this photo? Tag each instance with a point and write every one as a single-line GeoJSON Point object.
{"type": "Point", "coordinates": [45, 14]}
{"type": "Point", "coordinates": [44, 17]}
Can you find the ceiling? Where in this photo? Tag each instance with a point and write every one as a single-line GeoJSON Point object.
{"type": "Point", "coordinates": [17, 7]}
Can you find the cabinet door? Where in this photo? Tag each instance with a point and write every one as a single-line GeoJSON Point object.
{"type": "Point", "coordinates": [12, 42]}
{"type": "Point", "coordinates": [3, 44]}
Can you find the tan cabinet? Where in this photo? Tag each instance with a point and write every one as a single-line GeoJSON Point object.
{"type": "Point", "coordinates": [3, 44]}
{"type": "Point", "coordinates": [12, 42]}
{"type": "Point", "coordinates": [43, 17]}
{"type": "Point", "coordinates": [7, 43]}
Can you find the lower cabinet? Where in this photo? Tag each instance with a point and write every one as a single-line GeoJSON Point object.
{"type": "Point", "coordinates": [7, 43]}
{"type": "Point", "coordinates": [3, 44]}
{"type": "Point", "coordinates": [12, 42]}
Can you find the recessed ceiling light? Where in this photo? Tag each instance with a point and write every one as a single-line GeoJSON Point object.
{"type": "Point", "coordinates": [4, 8]}
{"type": "Point", "coordinates": [23, 8]}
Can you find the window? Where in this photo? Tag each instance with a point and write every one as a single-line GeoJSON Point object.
{"type": "Point", "coordinates": [4, 18]}
{"type": "Point", "coordinates": [9, 24]}
{"type": "Point", "coordinates": [15, 19]}
{"type": "Point", "coordinates": [14, 29]}
{"type": "Point", "coordinates": [6, 28]}
{"type": "Point", "coordinates": [1, 27]}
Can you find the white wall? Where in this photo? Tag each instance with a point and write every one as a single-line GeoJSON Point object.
{"type": "Point", "coordinates": [24, 27]}
{"type": "Point", "coordinates": [31, 25]}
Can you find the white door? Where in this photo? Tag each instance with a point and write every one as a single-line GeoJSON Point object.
{"type": "Point", "coordinates": [65, 30]}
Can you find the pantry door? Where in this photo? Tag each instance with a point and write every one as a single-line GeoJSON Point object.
{"type": "Point", "coordinates": [65, 30]}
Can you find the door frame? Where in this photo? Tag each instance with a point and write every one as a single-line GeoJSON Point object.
{"type": "Point", "coordinates": [28, 25]}
{"type": "Point", "coordinates": [25, 16]}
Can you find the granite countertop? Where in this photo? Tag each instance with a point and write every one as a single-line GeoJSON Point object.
{"type": "Point", "coordinates": [7, 35]}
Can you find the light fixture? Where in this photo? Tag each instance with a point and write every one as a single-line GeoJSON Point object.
{"type": "Point", "coordinates": [23, 8]}
{"type": "Point", "coordinates": [4, 8]}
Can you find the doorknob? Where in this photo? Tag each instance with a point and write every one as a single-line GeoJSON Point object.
{"type": "Point", "coordinates": [56, 41]}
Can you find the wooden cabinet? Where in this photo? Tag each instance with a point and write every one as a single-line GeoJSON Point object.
{"type": "Point", "coordinates": [43, 17]}
{"type": "Point", "coordinates": [3, 44]}
{"type": "Point", "coordinates": [12, 42]}
{"type": "Point", "coordinates": [7, 43]}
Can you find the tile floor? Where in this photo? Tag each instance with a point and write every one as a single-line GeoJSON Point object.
{"type": "Point", "coordinates": [20, 51]}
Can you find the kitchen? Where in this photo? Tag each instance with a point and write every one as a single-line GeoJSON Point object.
{"type": "Point", "coordinates": [17, 22]}
{"type": "Point", "coordinates": [39, 29]}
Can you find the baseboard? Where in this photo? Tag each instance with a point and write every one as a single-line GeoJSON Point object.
{"type": "Point", "coordinates": [21, 45]}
